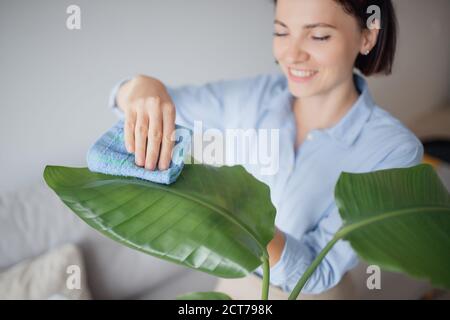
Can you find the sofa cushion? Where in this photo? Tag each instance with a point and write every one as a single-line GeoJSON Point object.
{"type": "Point", "coordinates": [58, 274]}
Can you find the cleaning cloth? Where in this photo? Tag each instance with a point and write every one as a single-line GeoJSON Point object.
{"type": "Point", "coordinates": [108, 155]}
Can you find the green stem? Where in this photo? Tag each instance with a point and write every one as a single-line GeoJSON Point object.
{"type": "Point", "coordinates": [266, 278]}
{"type": "Point", "coordinates": [301, 283]}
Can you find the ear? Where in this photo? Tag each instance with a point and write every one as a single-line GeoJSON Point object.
{"type": "Point", "coordinates": [369, 37]}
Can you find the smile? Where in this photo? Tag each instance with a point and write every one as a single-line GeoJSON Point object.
{"type": "Point", "coordinates": [301, 75]}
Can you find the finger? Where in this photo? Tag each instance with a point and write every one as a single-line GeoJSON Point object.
{"type": "Point", "coordinates": [130, 121]}
{"type": "Point", "coordinates": [140, 136]}
{"type": "Point", "coordinates": [168, 137]}
{"type": "Point", "coordinates": [154, 133]}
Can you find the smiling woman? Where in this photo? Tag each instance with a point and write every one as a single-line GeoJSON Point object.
{"type": "Point", "coordinates": [328, 123]}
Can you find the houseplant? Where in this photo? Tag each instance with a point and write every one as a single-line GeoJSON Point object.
{"type": "Point", "coordinates": [220, 220]}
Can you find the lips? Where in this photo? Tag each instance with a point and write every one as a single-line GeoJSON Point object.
{"type": "Point", "coordinates": [301, 75]}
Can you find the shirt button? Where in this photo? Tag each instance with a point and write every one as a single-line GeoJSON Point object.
{"type": "Point", "coordinates": [309, 136]}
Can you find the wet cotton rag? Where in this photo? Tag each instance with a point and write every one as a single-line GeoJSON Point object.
{"type": "Point", "coordinates": [108, 155]}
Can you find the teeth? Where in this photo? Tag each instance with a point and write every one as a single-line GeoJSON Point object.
{"type": "Point", "coordinates": [303, 73]}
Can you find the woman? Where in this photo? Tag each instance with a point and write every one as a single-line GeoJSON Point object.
{"type": "Point", "coordinates": [327, 118]}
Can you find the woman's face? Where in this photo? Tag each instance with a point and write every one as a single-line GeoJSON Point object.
{"type": "Point", "coordinates": [316, 44]}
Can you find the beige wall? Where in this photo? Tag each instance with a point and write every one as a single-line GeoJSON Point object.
{"type": "Point", "coordinates": [421, 76]}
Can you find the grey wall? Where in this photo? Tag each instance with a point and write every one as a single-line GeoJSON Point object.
{"type": "Point", "coordinates": [54, 83]}
{"type": "Point", "coordinates": [421, 77]}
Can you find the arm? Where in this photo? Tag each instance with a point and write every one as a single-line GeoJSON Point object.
{"type": "Point", "coordinates": [218, 104]}
{"type": "Point", "coordinates": [275, 247]}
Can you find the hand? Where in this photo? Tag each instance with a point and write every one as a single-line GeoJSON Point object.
{"type": "Point", "coordinates": [149, 121]}
{"type": "Point", "coordinates": [275, 247]}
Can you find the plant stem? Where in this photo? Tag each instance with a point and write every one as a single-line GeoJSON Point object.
{"type": "Point", "coordinates": [266, 278]}
{"type": "Point", "coordinates": [301, 283]}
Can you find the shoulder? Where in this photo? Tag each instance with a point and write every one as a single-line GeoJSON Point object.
{"type": "Point", "coordinates": [231, 88]}
{"type": "Point", "coordinates": [385, 128]}
{"type": "Point", "coordinates": [391, 141]}
{"type": "Point", "coordinates": [267, 83]}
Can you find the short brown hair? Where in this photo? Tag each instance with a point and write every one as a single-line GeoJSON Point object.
{"type": "Point", "coordinates": [381, 58]}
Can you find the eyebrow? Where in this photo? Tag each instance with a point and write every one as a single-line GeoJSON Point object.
{"type": "Point", "coordinates": [308, 26]}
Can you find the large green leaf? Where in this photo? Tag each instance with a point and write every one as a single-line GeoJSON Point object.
{"type": "Point", "coordinates": [398, 219]}
{"type": "Point", "coordinates": [217, 220]}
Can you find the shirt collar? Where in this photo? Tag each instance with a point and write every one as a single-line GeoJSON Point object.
{"type": "Point", "coordinates": [351, 124]}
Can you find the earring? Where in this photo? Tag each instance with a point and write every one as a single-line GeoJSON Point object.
{"type": "Point", "coordinates": [367, 52]}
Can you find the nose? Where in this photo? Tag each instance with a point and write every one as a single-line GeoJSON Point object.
{"type": "Point", "coordinates": [295, 53]}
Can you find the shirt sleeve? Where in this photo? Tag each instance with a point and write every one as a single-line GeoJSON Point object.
{"type": "Point", "coordinates": [297, 255]}
{"type": "Point", "coordinates": [219, 104]}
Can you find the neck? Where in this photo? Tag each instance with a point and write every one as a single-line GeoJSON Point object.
{"type": "Point", "coordinates": [324, 111]}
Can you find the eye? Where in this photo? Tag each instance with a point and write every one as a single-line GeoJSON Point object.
{"type": "Point", "coordinates": [276, 34]}
{"type": "Point", "coordinates": [321, 38]}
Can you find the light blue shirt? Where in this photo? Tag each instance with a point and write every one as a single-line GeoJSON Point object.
{"type": "Point", "coordinates": [367, 138]}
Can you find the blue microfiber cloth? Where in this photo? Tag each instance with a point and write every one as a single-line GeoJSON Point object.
{"type": "Point", "coordinates": [108, 155]}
